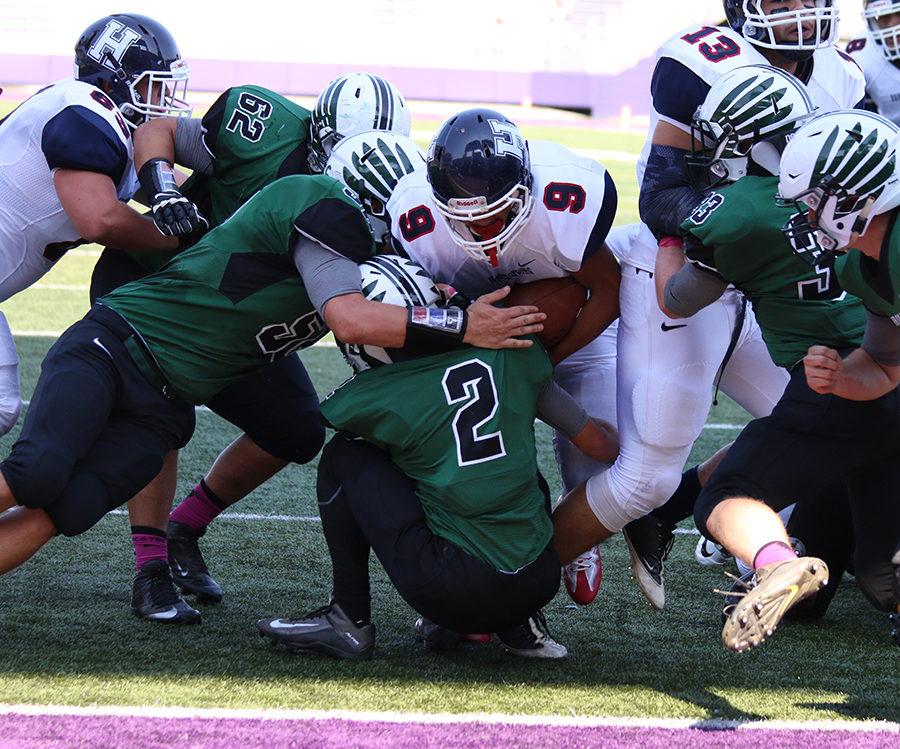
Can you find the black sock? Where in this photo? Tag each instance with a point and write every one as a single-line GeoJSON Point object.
{"type": "Point", "coordinates": [211, 495]}
{"type": "Point", "coordinates": [681, 504]}
{"type": "Point", "coordinates": [349, 550]}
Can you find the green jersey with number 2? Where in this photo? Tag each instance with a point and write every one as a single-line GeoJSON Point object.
{"type": "Point", "coordinates": [461, 425]}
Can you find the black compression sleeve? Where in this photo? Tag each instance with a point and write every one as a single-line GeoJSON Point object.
{"type": "Point", "coordinates": [667, 197]}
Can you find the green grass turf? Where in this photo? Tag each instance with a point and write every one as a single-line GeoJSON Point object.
{"type": "Point", "coordinates": [68, 637]}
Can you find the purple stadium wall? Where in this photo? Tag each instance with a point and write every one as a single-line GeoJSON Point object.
{"type": "Point", "coordinates": [602, 95]}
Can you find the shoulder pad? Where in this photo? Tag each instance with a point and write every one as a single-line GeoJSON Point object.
{"type": "Point", "coordinates": [710, 51]}
{"type": "Point", "coordinates": [836, 76]}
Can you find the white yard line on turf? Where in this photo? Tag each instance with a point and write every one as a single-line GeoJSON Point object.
{"type": "Point", "coordinates": [562, 721]}
{"type": "Point", "coordinates": [254, 517]}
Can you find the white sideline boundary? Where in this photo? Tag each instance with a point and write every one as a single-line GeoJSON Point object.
{"type": "Point", "coordinates": [556, 721]}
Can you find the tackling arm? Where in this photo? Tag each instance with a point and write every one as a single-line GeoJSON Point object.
{"type": "Point", "coordinates": [91, 203]}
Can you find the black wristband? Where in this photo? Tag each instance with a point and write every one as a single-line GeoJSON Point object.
{"type": "Point", "coordinates": [434, 329]}
{"type": "Point", "coordinates": [157, 176]}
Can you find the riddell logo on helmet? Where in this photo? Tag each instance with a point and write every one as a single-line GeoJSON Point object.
{"type": "Point", "coordinates": [467, 202]}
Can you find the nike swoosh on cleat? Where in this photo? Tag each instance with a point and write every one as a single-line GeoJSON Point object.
{"type": "Point", "coordinates": [279, 624]}
{"type": "Point", "coordinates": [167, 614]}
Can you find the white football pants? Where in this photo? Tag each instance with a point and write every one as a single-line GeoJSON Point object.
{"type": "Point", "coordinates": [664, 385]}
{"type": "Point", "coordinates": [10, 398]}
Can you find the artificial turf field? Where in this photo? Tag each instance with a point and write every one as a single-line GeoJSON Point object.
{"type": "Point", "coordinates": [67, 636]}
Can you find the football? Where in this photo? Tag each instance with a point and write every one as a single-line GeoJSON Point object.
{"type": "Point", "coordinates": [561, 299]}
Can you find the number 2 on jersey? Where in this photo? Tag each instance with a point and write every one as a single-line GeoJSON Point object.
{"type": "Point", "coordinates": [713, 52]}
{"type": "Point", "coordinates": [471, 383]}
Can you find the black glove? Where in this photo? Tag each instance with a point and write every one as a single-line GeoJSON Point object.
{"type": "Point", "coordinates": [173, 214]}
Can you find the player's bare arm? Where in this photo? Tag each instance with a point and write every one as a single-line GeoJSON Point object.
{"type": "Point", "coordinates": [858, 377]}
{"type": "Point", "coordinates": [669, 260]}
{"type": "Point", "coordinates": [90, 201]}
{"type": "Point", "coordinates": [600, 275]}
{"type": "Point", "coordinates": [356, 320]}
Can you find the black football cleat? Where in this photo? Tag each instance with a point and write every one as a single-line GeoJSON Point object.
{"type": "Point", "coordinates": [326, 630]}
{"type": "Point", "coordinates": [532, 639]}
{"type": "Point", "coordinates": [189, 569]}
{"type": "Point", "coordinates": [154, 596]}
{"type": "Point", "coordinates": [649, 543]}
{"type": "Point", "coordinates": [435, 637]}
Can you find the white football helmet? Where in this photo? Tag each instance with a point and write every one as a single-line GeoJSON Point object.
{"type": "Point", "coordinates": [353, 104]}
{"type": "Point", "coordinates": [886, 36]}
{"type": "Point", "coordinates": [742, 109]}
{"type": "Point", "coordinates": [843, 166]}
{"type": "Point", "coordinates": [817, 16]}
{"type": "Point", "coordinates": [389, 279]}
{"type": "Point", "coordinates": [370, 165]}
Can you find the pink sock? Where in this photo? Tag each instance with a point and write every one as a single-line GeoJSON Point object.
{"type": "Point", "coordinates": [774, 551]}
{"type": "Point", "coordinates": [149, 544]}
{"type": "Point", "coordinates": [198, 509]}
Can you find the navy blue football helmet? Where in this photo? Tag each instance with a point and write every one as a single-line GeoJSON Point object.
{"type": "Point", "coordinates": [479, 169]}
{"type": "Point", "coordinates": [134, 60]}
{"type": "Point", "coordinates": [808, 29]}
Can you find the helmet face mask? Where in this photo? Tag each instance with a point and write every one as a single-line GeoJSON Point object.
{"type": "Point", "coordinates": [351, 104]}
{"type": "Point", "coordinates": [885, 31]}
{"type": "Point", "coordinates": [748, 112]}
{"type": "Point", "coordinates": [134, 60]}
{"type": "Point", "coordinates": [767, 31]}
{"type": "Point", "coordinates": [159, 94]}
{"type": "Point", "coordinates": [370, 165]}
{"type": "Point", "coordinates": [479, 169]}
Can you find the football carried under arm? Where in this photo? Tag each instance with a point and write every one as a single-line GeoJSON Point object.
{"type": "Point", "coordinates": [601, 276]}
{"type": "Point", "coordinates": [91, 203]}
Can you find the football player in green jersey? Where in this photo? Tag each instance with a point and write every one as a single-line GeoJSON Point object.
{"type": "Point", "coordinates": [444, 486]}
{"type": "Point", "coordinates": [116, 391]}
{"type": "Point", "coordinates": [736, 236]}
{"type": "Point", "coordinates": [844, 168]}
{"type": "Point", "coordinates": [248, 138]}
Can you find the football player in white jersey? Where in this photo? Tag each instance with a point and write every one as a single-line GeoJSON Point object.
{"type": "Point", "coordinates": [666, 372]}
{"type": "Point", "coordinates": [491, 210]}
{"type": "Point", "coordinates": [66, 168]}
{"type": "Point", "coordinates": [878, 54]}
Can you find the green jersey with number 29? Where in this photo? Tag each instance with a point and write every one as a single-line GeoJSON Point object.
{"type": "Point", "coordinates": [796, 306]}
{"type": "Point", "coordinates": [461, 425]}
{"type": "Point", "coordinates": [235, 301]}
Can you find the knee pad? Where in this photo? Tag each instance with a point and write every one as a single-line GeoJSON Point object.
{"type": "Point", "coordinates": [82, 505]}
{"type": "Point", "coordinates": [670, 409]}
{"type": "Point", "coordinates": [297, 441]}
{"type": "Point", "coordinates": [36, 478]}
{"type": "Point", "coordinates": [616, 499]}
{"type": "Point", "coordinates": [10, 397]}
{"type": "Point", "coordinates": [10, 408]}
